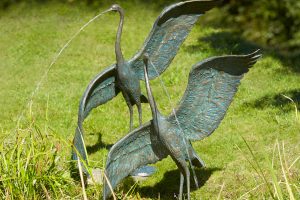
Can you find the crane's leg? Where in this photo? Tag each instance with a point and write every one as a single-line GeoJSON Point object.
{"type": "Point", "coordinates": [198, 162]}
{"type": "Point", "coordinates": [131, 116]}
{"type": "Point", "coordinates": [181, 185]}
{"type": "Point", "coordinates": [194, 176]}
{"type": "Point", "coordinates": [184, 169]}
{"type": "Point", "coordinates": [128, 102]}
{"type": "Point", "coordinates": [139, 106]}
{"type": "Point", "coordinates": [187, 176]}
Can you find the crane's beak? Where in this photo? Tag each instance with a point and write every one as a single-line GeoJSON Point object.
{"type": "Point", "coordinates": [108, 10]}
{"type": "Point", "coordinates": [114, 8]}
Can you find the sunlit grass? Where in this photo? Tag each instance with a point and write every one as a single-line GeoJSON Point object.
{"type": "Point", "coordinates": [279, 180]}
{"type": "Point", "coordinates": [31, 36]}
{"type": "Point", "coordinates": [31, 166]}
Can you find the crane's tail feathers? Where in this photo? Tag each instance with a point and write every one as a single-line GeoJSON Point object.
{"type": "Point", "coordinates": [197, 161]}
{"type": "Point", "coordinates": [144, 99]}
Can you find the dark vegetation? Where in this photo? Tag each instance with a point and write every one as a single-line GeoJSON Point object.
{"type": "Point", "coordinates": [270, 23]}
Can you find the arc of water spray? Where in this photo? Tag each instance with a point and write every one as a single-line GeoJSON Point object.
{"type": "Point", "coordinates": [34, 92]}
{"type": "Point", "coordinates": [177, 121]}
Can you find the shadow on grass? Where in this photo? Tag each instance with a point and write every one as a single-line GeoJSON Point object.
{"type": "Point", "coordinates": [169, 185]}
{"type": "Point", "coordinates": [99, 145]}
{"type": "Point", "coordinates": [277, 100]}
{"type": "Point", "coordinates": [225, 43]}
{"type": "Point", "coordinates": [229, 42]}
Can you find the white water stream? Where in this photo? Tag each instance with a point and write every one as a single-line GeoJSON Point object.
{"type": "Point", "coordinates": [35, 91]}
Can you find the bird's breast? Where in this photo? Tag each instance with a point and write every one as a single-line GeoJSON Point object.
{"type": "Point", "coordinates": [125, 73]}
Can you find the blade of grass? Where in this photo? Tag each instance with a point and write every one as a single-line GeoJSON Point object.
{"type": "Point", "coordinates": [290, 191]}
{"type": "Point", "coordinates": [109, 185]}
{"type": "Point", "coordinates": [45, 191]}
{"type": "Point", "coordinates": [259, 168]}
{"type": "Point", "coordinates": [278, 191]}
{"type": "Point", "coordinates": [82, 180]}
{"type": "Point", "coordinates": [130, 191]}
{"type": "Point", "coordinates": [222, 187]}
{"type": "Point", "coordinates": [295, 105]}
{"type": "Point", "coordinates": [253, 189]}
{"type": "Point", "coordinates": [294, 162]}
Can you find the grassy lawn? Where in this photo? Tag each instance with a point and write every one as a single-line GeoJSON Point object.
{"type": "Point", "coordinates": [36, 145]}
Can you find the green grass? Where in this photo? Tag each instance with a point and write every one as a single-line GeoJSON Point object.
{"type": "Point", "coordinates": [31, 36]}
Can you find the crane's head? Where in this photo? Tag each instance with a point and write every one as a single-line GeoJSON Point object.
{"type": "Point", "coordinates": [116, 8]}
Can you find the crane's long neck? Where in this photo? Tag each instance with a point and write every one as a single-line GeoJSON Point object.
{"type": "Point", "coordinates": [119, 55]}
{"type": "Point", "coordinates": [154, 110]}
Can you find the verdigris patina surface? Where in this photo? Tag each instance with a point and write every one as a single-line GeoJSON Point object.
{"type": "Point", "coordinates": [168, 32]}
{"type": "Point", "coordinates": [211, 87]}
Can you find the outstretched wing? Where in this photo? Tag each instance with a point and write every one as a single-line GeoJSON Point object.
{"type": "Point", "coordinates": [167, 34]}
{"type": "Point", "coordinates": [100, 90]}
{"type": "Point", "coordinates": [137, 149]}
{"type": "Point", "coordinates": [211, 87]}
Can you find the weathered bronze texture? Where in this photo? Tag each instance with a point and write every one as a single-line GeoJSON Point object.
{"type": "Point", "coordinates": [168, 32]}
{"type": "Point", "coordinates": [211, 87]}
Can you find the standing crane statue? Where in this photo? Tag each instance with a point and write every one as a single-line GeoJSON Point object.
{"type": "Point", "coordinates": [168, 32]}
{"type": "Point", "coordinates": [211, 87]}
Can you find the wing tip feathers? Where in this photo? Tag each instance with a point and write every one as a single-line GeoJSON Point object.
{"type": "Point", "coordinates": [253, 57]}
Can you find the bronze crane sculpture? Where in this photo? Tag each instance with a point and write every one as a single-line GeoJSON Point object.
{"type": "Point", "coordinates": [211, 86]}
{"type": "Point", "coordinates": [168, 32]}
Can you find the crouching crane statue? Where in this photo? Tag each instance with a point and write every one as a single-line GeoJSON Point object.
{"type": "Point", "coordinates": [168, 32]}
{"type": "Point", "coordinates": [211, 86]}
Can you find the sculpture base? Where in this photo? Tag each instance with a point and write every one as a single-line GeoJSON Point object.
{"type": "Point", "coordinates": [143, 172]}
{"type": "Point", "coordinates": [139, 174]}
{"type": "Point", "coordinates": [97, 177]}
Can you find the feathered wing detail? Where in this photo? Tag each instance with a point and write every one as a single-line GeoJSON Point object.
{"type": "Point", "coordinates": [167, 34]}
{"type": "Point", "coordinates": [100, 90]}
{"type": "Point", "coordinates": [137, 149]}
{"type": "Point", "coordinates": [211, 87]}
